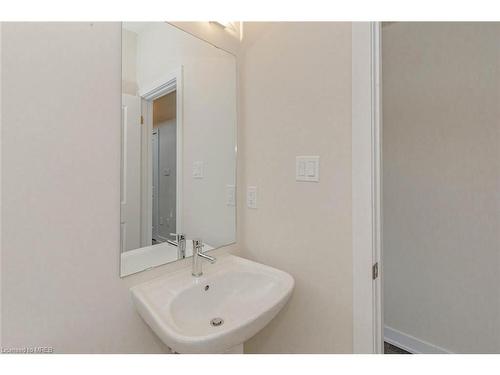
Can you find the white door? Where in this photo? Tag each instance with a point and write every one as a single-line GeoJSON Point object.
{"type": "Point", "coordinates": [131, 173]}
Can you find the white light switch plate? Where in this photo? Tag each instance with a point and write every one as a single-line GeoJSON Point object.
{"type": "Point", "coordinates": [198, 167]}
{"type": "Point", "coordinates": [307, 168]}
{"type": "Point", "coordinates": [230, 195]}
{"type": "Point", "coordinates": [252, 197]}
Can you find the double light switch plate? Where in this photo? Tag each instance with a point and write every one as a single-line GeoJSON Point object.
{"type": "Point", "coordinates": [198, 169]}
{"type": "Point", "coordinates": [307, 168]}
{"type": "Point", "coordinates": [252, 197]}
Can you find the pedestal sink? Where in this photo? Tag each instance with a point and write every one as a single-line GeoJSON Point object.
{"type": "Point", "coordinates": [215, 313]}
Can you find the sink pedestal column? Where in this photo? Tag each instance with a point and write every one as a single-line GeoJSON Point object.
{"type": "Point", "coordinates": [238, 349]}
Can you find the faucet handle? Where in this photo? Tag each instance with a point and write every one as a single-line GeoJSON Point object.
{"type": "Point", "coordinates": [178, 236]}
{"type": "Point", "coordinates": [198, 251]}
{"type": "Point", "coordinates": [198, 245]}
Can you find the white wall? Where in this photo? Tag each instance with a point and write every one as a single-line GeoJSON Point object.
{"type": "Point", "coordinates": [1, 314]}
{"type": "Point", "coordinates": [129, 62]}
{"type": "Point", "coordinates": [60, 184]}
{"type": "Point", "coordinates": [209, 133]}
{"type": "Point", "coordinates": [131, 172]}
{"type": "Point", "coordinates": [441, 178]}
{"type": "Point", "coordinates": [296, 100]}
{"type": "Point", "coordinates": [60, 282]}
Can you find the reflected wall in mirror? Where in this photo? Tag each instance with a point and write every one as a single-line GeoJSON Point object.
{"type": "Point", "coordinates": [178, 164]}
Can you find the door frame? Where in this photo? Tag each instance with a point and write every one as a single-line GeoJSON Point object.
{"type": "Point", "coordinates": [155, 186]}
{"type": "Point", "coordinates": [366, 188]}
{"type": "Point", "coordinates": [172, 81]}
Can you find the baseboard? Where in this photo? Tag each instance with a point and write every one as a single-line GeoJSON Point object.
{"type": "Point", "coordinates": [411, 344]}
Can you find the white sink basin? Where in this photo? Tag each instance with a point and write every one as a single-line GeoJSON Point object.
{"type": "Point", "coordinates": [245, 295]}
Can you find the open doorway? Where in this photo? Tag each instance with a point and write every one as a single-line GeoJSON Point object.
{"type": "Point", "coordinates": [440, 190]}
{"type": "Point", "coordinates": [161, 159]}
{"type": "Point", "coordinates": [164, 167]}
{"type": "Point", "coordinates": [426, 209]}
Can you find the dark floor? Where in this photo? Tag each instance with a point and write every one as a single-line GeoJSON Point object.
{"type": "Point", "coordinates": [391, 349]}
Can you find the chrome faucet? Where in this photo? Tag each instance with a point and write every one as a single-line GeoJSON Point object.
{"type": "Point", "coordinates": [197, 254]}
{"type": "Point", "coordinates": [180, 242]}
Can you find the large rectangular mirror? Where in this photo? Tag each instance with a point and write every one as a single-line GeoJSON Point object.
{"type": "Point", "coordinates": [178, 165]}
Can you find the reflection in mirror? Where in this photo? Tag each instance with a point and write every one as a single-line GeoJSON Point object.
{"type": "Point", "coordinates": [178, 164]}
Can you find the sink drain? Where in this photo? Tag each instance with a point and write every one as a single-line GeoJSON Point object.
{"type": "Point", "coordinates": [215, 322]}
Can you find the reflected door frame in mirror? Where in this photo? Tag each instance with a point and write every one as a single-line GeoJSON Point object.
{"type": "Point", "coordinates": [166, 85]}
